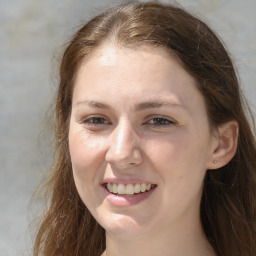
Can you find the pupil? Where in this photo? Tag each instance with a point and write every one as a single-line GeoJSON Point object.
{"type": "Point", "coordinates": [97, 120]}
{"type": "Point", "coordinates": [159, 121]}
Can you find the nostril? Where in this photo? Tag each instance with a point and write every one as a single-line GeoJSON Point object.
{"type": "Point", "coordinates": [122, 161]}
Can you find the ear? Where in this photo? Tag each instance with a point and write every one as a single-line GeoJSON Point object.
{"type": "Point", "coordinates": [224, 146]}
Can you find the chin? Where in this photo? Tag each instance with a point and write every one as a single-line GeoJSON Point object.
{"type": "Point", "coordinates": [124, 226]}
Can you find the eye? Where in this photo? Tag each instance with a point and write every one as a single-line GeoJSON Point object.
{"type": "Point", "coordinates": [160, 121]}
{"type": "Point", "coordinates": [95, 121]}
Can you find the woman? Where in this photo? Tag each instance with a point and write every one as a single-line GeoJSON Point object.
{"type": "Point", "coordinates": [154, 152]}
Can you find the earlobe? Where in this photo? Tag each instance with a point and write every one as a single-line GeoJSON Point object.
{"type": "Point", "coordinates": [225, 148]}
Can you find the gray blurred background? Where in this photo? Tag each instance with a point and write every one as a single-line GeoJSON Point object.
{"type": "Point", "coordinates": [31, 35]}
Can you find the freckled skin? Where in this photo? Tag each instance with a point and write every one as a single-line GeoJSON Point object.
{"type": "Point", "coordinates": [173, 156]}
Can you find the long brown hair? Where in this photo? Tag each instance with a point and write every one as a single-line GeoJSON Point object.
{"type": "Point", "coordinates": [228, 206]}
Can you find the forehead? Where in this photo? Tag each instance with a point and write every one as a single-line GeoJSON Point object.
{"type": "Point", "coordinates": [111, 54]}
{"type": "Point", "coordinates": [143, 72]}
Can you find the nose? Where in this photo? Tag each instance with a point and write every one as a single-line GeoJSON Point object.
{"type": "Point", "coordinates": [124, 149]}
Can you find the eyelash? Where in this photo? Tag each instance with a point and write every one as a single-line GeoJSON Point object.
{"type": "Point", "coordinates": [158, 121]}
{"type": "Point", "coordinates": [94, 121]}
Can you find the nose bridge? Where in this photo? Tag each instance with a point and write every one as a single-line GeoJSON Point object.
{"type": "Point", "coordinates": [124, 139]}
{"type": "Point", "coordinates": [123, 148]}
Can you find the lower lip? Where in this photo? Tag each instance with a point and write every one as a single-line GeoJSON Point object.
{"type": "Point", "coordinates": [122, 200]}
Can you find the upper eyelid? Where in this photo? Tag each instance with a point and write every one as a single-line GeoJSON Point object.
{"type": "Point", "coordinates": [167, 122]}
{"type": "Point", "coordinates": [161, 117]}
{"type": "Point", "coordinates": [82, 120]}
{"type": "Point", "coordinates": [146, 119]}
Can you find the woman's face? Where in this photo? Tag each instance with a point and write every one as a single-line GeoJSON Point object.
{"type": "Point", "coordinates": [140, 141]}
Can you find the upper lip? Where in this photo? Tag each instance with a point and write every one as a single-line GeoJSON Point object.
{"type": "Point", "coordinates": [126, 181]}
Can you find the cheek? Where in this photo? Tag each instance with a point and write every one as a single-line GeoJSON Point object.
{"type": "Point", "coordinates": [87, 157]}
{"type": "Point", "coordinates": [85, 150]}
{"type": "Point", "coordinates": [172, 151]}
{"type": "Point", "coordinates": [181, 158]}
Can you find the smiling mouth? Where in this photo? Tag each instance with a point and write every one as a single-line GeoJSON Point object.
{"type": "Point", "coordinates": [128, 189]}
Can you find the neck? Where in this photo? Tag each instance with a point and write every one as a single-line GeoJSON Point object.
{"type": "Point", "coordinates": [187, 241]}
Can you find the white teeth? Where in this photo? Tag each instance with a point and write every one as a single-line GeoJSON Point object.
{"type": "Point", "coordinates": [143, 187]}
{"type": "Point", "coordinates": [137, 188]}
{"type": "Point", "coordinates": [120, 189]}
{"type": "Point", "coordinates": [114, 188]}
{"type": "Point", "coordinates": [129, 189]}
{"type": "Point", "coordinates": [110, 187]}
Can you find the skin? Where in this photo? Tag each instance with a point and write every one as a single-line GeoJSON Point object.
{"type": "Point", "coordinates": [113, 135]}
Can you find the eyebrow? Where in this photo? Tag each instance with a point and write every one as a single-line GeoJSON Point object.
{"type": "Point", "coordinates": [154, 104]}
{"type": "Point", "coordinates": [139, 107]}
{"type": "Point", "coordinates": [92, 103]}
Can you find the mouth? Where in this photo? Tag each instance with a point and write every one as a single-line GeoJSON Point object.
{"type": "Point", "coordinates": [128, 189]}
